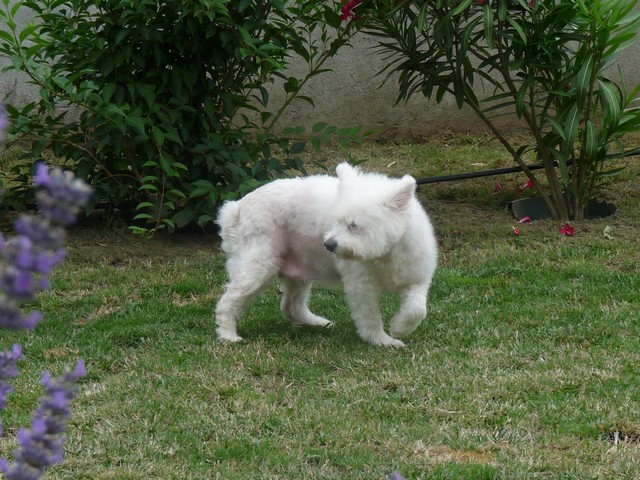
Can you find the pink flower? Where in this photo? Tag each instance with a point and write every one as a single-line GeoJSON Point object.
{"type": "Point", "coordinates": [498, 188]}
{"type": "Point", "coordinates": [532, 3]}
{"type": "Point", "coordinates": [525, 186]}
{"type": "Point", "coordinates": [526, 219]}
{"type": "Point", "coordinates": [481, 2]}
{"type": "Point", "coordinates": [567, 230]}
{"type": "Point", "coordinates": [347, 10]}
{"type": "Point", "coordinates": [516, 231]}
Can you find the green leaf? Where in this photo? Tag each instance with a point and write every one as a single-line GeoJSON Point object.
{"type": "Point", "coordinates": [572, 122]}
{"type": "Point", "coordinates": [297, 147]}
{"type": "Point", "coordinates": [199, 192]}
{"type": "Point", "coordinates": [583, 78]}
{"type": "Point", "coordinates": [137, 124]}
{"type": "Point", "coordinates": [502, 10]}
{"type": "Point", "coordinates": [518, 28]}
{"type": "Point", "coordinates": [461, 7]}
{"type": "Point", "coordinates": [158, 136]}
{"type": "Point", "coordinates": [459, 89]}
{"type": "Point", "coordinates": [561, 161]}
{"type": "Point", "coordinates": [590, 147]}
{"type": "Point", "coordinates": [488, 24]}
{"type": "Point", "coordinates": [556, 127]}
{"type": "Point", "coordinates": [144, 205]}
{"type": "Point", "coordinates": [318, 127]}
{"type": "Point", "coordinates": [307, 99]}
{"type": "Point", "coordinates": [27, 32]}
{"type": "Point", "coordinates": [206, 184]}
{"type": "Point", "coordinates": [183, 217]}
{"type": "Point", "coordinates": [610, 100]}
{"type": "Point", "coordinates": [520, 99]}
{"type": "Point", "coordinates": [205, 219]}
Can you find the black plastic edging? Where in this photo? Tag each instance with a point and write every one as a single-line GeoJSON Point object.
{"type": "Point", "coordinates": [498, 171]}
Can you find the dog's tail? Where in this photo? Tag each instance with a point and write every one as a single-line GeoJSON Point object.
{"type": "Point", "coordinates": [228, 219]}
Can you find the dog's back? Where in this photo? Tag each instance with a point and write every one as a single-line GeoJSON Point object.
{"type": "Point", "coordinates": [282, 204]}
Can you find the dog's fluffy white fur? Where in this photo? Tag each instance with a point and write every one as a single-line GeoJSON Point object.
{"type": "Point", "coordinates": [365, 230]}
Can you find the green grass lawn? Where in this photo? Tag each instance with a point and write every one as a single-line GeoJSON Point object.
{"type": "Point", "coordinates": [526, 367]}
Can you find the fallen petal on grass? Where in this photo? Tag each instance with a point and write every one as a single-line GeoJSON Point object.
{"type": "Point", "coordinates": [567, 230]}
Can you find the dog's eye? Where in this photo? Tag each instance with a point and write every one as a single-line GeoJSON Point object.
{"type": "Point", "coordinates": [352, 226]}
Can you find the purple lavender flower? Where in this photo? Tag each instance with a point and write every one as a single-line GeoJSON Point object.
{"type": "Point", "coordinates": [62, 195]}
{"type": "Point", "coordinates": [13, 318]}
{"type": "Point", "coordinates": [8, 369]}
{"type": "Point", "coordinates": [42, 445]}
{"type": "Point", "coordinates": [37, 249]}
{"type": "Point", "coordinates": [40, 231]}
{"type": "Point", "coordinates": [394, 476]}
{"type": "Point", "coordinates": [29, 259]}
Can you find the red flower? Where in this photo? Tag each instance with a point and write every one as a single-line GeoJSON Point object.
{"type": "Point", "coordinates": [347, 10]}
{"type": "Point", "coordinates": [516, 231]}
{"type": "Point", "coordinates": [532, 3]}
{"type": "Point", "coordinates": [481, 2]}
{"type": "Point", "coordinates": [567, 230]}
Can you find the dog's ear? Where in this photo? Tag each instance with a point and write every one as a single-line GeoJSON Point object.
{"type": "Point", "coordinates": [404, 193]}
{"type": "Point", "coordinates": [344, 171]}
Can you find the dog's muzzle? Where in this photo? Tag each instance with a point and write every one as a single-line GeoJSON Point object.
{"type": "Point", "coordinates": [331, 244]}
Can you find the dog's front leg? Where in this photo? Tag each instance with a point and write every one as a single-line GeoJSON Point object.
{"type": "Point", "coordinates": [413, 309]}
{"type": "Point", "coordinates": [364, 303]}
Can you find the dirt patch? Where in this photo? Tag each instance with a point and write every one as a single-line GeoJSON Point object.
{"type": "Point", "coordinates": [443, 454]}
{"type": "Point", "coordinates": [120, 249]}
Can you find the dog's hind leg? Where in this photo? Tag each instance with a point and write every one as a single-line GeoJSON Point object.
{"type": "Point", "coordinates": [249, 274]}
{"type": "Point", "coordinates": [295, 303]}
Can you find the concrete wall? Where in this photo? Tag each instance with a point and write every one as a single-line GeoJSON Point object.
{"type": "Point", "coordinates": [353, 95]}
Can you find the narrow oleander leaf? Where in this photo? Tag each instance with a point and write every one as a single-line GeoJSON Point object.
{"type": "Point", "coordinates": [583, 78]}
{"type": "Point", "coordinates": [590, 146]}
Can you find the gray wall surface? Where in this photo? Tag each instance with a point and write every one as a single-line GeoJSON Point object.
{"type": "Point", "coordinates": [353, 95]}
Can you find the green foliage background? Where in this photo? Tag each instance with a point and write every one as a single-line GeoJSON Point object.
{"type": "Point", "coordinates": [174, 113]}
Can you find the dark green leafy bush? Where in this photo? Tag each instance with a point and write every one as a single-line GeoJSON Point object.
{"type": "Point", "coordinates": [171, 95]}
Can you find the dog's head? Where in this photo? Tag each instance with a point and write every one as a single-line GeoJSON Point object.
{"type": "Point", "coordinates": [370, 215]}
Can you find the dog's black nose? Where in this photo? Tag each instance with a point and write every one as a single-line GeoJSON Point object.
{"type": "Point", "coordinates": [331, 245]}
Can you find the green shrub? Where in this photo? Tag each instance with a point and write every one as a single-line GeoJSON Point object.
{"type": "Point", "coordinates": [172, 95]}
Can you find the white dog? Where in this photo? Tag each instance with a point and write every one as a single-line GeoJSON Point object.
{"type": "Point", "coordinates": [363, 229]}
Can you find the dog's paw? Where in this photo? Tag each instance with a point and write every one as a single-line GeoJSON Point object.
{"type": "Point", "coordinates": [385, 340]}
{"type": "Point", "coordinates": [393, 342]}
{"type": "Point", "coordinates": [225, 337]}
{"type": "Point", "coordinates": [313, 321]}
